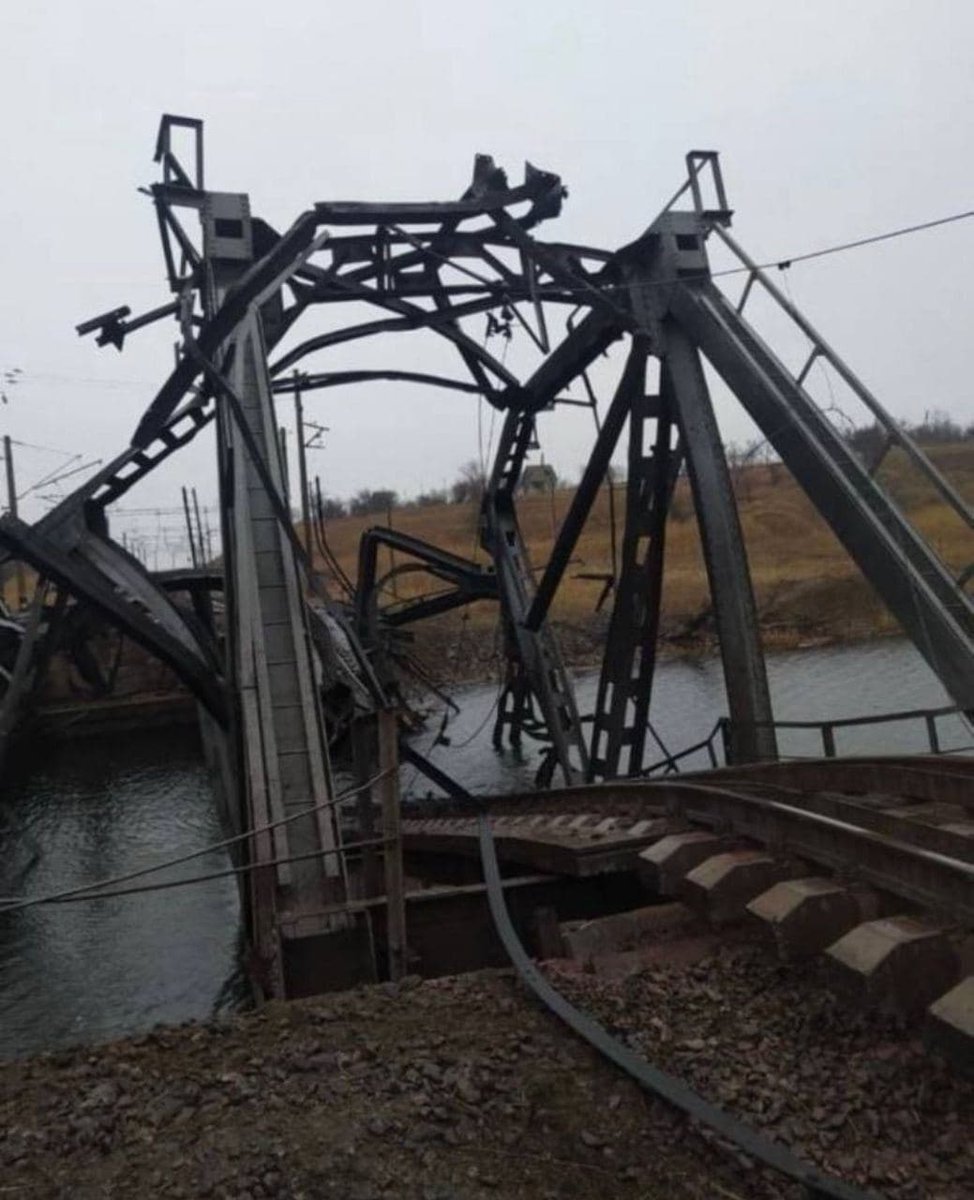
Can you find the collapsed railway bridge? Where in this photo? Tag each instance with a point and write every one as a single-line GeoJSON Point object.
{"type": "Point", "coordinates": [287, 674]}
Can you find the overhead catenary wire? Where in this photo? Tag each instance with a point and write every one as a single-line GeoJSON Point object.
{"type": "Point", "coordinates": [782, 262]}
{"type": "Point", "coordinates": [872, 239]}
{"type": "Point", "coordinates": [43, 449]}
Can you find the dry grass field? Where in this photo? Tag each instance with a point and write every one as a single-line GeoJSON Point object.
{"type": "Point", "coordinates": [806, 586]}
{"type": "Point", "coordinates": [808, 591]}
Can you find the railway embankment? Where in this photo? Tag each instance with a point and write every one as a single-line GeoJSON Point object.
{"type": "Point", "coordinates": [466, 1087]}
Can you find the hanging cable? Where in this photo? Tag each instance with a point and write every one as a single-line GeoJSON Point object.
{"type": "Point", "coordinates": [7, 905]}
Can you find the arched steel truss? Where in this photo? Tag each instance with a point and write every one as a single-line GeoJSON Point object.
{"type": "Point", "coordinates": [431, 266]}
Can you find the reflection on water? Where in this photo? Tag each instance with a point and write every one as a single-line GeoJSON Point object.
{"type": "Point", "coordinates": [91, 809]}
{"type": "Point", "coordinates": [688, 699]}
{"type": "Point", "coordinates": [82, 811]}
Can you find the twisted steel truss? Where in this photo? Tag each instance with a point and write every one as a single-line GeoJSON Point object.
{"type": "Point", "coordinates": [431, 267]}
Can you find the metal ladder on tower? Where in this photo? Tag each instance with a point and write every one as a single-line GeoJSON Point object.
{"type": "Point", "coordinates": [620, 720]}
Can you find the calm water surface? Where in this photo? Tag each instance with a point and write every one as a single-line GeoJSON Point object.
{"type": "Point", "coordinates": [688, 699]}
{"type": "Point", "coordinates": [86, 810]}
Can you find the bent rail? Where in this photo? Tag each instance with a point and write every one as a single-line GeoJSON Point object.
{"type": "Point", "coordinates": [649, 1077]}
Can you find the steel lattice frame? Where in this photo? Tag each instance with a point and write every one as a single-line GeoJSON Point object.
{"type": "Point", "coordinates": [657, 293]}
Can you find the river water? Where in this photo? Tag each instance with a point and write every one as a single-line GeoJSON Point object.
{"type": "Point", "coordinates": [82, 811]}
{"type": "Point", "coordinates": [688, 698]}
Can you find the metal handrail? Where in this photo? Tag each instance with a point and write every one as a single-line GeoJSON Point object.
{"type": "Point", "coordinates": [670, 761]}
{"type": "Point", "coordinates": [724, 730]}
{"type": "Point", "coordinates": [827, 728]}
{"type": "Point", "coordinates": [822, 349]}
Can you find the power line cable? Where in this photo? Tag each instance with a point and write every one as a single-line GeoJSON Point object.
{"type": "Point", "coordinates": [224, 874]}
{"type": "Point", "coordinates": [782, 264]}
{"type": "Point", "coordinates": [8, 905]}
{"type": "Point", "coordinates": [45, 449]}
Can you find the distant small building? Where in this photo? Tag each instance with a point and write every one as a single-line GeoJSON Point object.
{"type": "Point", "coordinates": [538, 477]}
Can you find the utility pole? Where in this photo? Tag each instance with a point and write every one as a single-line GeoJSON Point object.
{"type": "Point", "coordinates": [8, 455]}
{"type": "Point", "coordinates": [302, 464]}
{"type": "Point", "coordinates": [189, 529]}
{"type": "Point", "coordinates": [285, 470]}
{"type": "Point", "coordinates": [199, 531]}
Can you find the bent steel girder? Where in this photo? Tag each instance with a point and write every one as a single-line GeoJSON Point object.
{"type": "Point", "coordinates": [443, 320]}
{"type": "Point", "coordinates": [330, 379]}
{"type": "Point", "coordinates": [263, 274]}
{"type": "Point", "coordinates": [65, 522]}
{"type": "Point", "coordinates": [419, 319]}
{"type": "Point", "coordinates": [925, 598]}
{"type": "Point", "coordinates": [542, 189]}
{"type": "Point", "coordinates": [488, 196]}
{"type": "Point", "coordinates": [182, 424]}
{"type": "Point", "coordinates": [446, 327]}
{"type": "Point", "coordinates": [99, 572]}
{"type": "Point", "coordinates": [469, 582]}
{"type": "Point", "coordinates": [70, 541]}
{"type": "Point", "coordinates": [508, 288]}
{"type": "Point", "coordinates": [433, 266]}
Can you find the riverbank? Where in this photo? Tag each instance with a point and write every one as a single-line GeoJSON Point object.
{"type": "Point", "coordinates": [466, 1088]}
{"type": "Point", "coordinates": [458, 649]}
{"type": "Point", "coordinates": [807, 591]}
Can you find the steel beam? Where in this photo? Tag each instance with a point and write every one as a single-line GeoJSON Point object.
{"type": "Point", "coordinates": [621, 717]}
{"type": "Point", "coordinates": [534, 659]}
{"type": "Point", "coordinates": [471, 581]}
{"type": "Point", "coordinates": [745, 678]}
{"type": "Point", "coordinates": [631, 386]}
{"type": "Point", "coordinates": [914, 584]}
{"type": "Point", "coordinates": [101, 574]}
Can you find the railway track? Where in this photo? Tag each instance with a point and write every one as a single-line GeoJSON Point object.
{"type": "Point", "coordinates": [867, 861]}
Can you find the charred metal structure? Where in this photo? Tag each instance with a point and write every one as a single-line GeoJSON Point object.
{"type": "Point", "coordinates": [241, 288]}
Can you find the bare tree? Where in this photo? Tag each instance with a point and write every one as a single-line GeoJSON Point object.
{"type": "Point", "coordinates": [470, 484]}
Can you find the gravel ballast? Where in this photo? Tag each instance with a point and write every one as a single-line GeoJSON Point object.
{"type": "Point", "coordinates": [467, 1087]}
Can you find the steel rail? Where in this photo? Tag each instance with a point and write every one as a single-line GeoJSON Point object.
{"type": "Point", "coordinates": [882, 821]}
{"type": "Point", "coordinates": [931, 877]}
{"type": "Point", "coordinates": [934, 880]}
{"type": "Point", "coordinates": [907, 775]}
{"type": "Point", "coordinates": [924, 780]}
{"type": "Point", "coordinates": [816, 1185]}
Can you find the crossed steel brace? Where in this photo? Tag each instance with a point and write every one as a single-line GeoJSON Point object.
{"type": "Point", "coordinates": [242, 286]}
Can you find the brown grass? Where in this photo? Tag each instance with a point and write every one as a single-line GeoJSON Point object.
{"type": "Point", "coordinates": [806, 585]}
{"type": "Point", "coordinates": [807, 588]}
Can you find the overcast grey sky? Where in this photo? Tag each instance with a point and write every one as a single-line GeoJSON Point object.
{"type": "Point", "coordinates": [834, 121]}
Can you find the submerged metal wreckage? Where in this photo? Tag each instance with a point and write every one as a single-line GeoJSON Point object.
{"type": "Point", "coordinates": [270, 676]}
